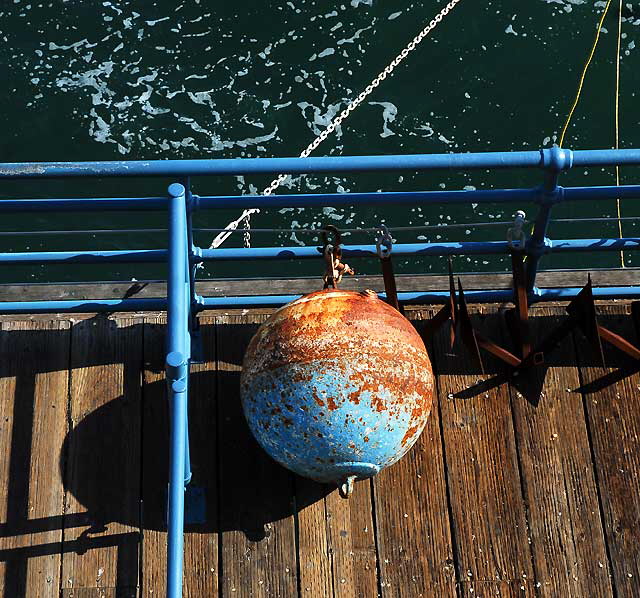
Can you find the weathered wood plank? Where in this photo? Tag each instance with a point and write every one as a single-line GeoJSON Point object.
{"type": "Point", "coordinates": [256, 494]}
{"type": "Point", "coordinates": [352, 543]}
{"type": "Point", "coordinates": [566, 533]}
{"type": "Point", "coordinates": [201, 537]}
{"type": "Point", "coordinates": [102, 478]}
{"type": "Point", "coordinates": [490, 528]}
{"type": "Point", "coordinates": [479, 440]}
{"type": "Point", "coordinates": [494, 589]}
{"type": "Point", "coordinates": [34, 360]}
{"type": "Point", "coordinates": [275, 286]}
{"type": "Point", "coordinates": [314, 556]}
{"type": "Point", "coordinates": [614, 424]}
{"type": "Point", "coordinates": [336, 541]}
{"type": "Point", "coordinates": [155, 460]}
{"type": "Point", "coordinates": [100, 593]}
{"type": "Point", "coordinates": [412, 514]}
{"type": "Point", "coordinates": [414, 282]}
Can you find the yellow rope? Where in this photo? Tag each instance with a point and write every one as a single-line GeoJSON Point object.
{"type": "Point", "coordinates": [584, 73]}
{"type": "Point", "coordinates": [617, 126]}
{"type": "Point", "coordinates": [617, 101]}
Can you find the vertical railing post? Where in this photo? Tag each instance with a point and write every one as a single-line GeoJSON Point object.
{"type": "Point", "coordinates": [197, 353]}
{"type": "Point", "coordinates": [555, 160]}
{"type": "Point", "coordinates": [190, 291]}
{"type": "Point", "coordinates": [177, 371]}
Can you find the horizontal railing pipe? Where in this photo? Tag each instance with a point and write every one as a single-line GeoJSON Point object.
{"type": "Point", "coordinates": [85, 257]}
{"type": "Point", "coordinates": [604, 192]}
{"type": "Point", "coordinates": [606, 157]}
{"type": "Point", "coordinates": [351, 251]}
{"type": "Point", "coordinates": [373, 198]}
{"type": "Point", "coordinates": [310, 252]}
{"type": "Point", "coordinates": [518, 196]}
{"type": "Point", "coordinates": [86, 204]}
{"type": "Point", "coordinates": [244, 166]}
{"type": "Point", "coordinates": [416, 298]}
{"type": "Point", "coordinates": [84, 306]}
{"type": "Point", "coordinates": [566, 294]}
{"type": "Point", "coordinates": [570, 245]}
{"type": "Point", "coordinates": [432, 297]}
{"type": "Point", "coordinates": [319, 199]}
{"type": "Point", "coordinates": [411, 249]}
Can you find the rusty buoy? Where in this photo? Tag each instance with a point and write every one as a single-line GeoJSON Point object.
{"type": "Point", "coordinates": [336, 385]}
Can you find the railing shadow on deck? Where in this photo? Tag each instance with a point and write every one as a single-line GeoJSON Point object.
{"type": "Point", "coordinates": [241, 489]}
{"type": "Point", "coordinates": [236, 489]}
{"type": "Point", "coordinates": [26, 354]}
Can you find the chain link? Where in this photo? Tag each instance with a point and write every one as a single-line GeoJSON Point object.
{"type": "Point", "coordinates": [334, 124]}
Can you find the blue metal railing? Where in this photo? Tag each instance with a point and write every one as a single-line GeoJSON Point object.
{"type": "Point", "coordinates": [182, 256]}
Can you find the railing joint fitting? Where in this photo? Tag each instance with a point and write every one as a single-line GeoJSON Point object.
{"type": "Point", "coordinates": [534, 294]}
{"type": "Point", "coordinates": [549, 197]}
{"type": "Point", "coordinates": [176, 190]}
{"type": "Point", "coordinates": [198, 303]}
{"type": "Point", "coordinates": [556, 159]}
{"type": "Point", "coordinates": [176, 367]}
{"type": "Point", "coordinates": [538, 249]}
{"type": "Point", "coordinates": [196, 255]}
{"type": "Point", "coordinates": [193, 203]}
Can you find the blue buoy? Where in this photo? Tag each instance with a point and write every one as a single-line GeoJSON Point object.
{"type": "Point", "coordinates": [337, 385]}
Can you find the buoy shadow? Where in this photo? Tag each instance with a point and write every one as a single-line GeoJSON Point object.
{"type": "Point", "coordinates": [236, 486]}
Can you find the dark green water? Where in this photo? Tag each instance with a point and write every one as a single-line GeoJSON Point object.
{"type": "Point", "coordinates": [124, 80]}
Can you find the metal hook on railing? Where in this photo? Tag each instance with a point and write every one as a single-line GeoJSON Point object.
{"type": "Point", "coordinates": [384, 242]}
{"type": "Point", "coordinates": [515, 232]}
{"type": "Point", "coordinates": [332, 253]}
{"type": "Point", "coordinates": [384, 248]}
{"type": "Point", "coordinates": [337, 237]}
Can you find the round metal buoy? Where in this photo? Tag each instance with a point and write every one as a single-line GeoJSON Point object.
{"type": "Point", "coordinates": [337, 385]}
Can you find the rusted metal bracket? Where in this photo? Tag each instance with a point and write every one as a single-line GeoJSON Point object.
{"type": "Point", "coordinates": [390, 287]}
{"type": "Point", "coordinates": [518, 318]}
{"type": "Point", "coordinates": [449, 312]}
{"type": "Point", "coordinates": [384, 247]}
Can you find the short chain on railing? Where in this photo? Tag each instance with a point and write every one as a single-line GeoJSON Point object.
{"type": "Point", "coordinates": [245, 218]}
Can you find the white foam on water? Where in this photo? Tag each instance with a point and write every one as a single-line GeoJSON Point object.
{"type": "Point", "coordinates": [356, 3]}
{"type": "Point", "coordinates": [326, 52]}
{"type": "Point", "coordinates": [389, 113]}
{"type": "Point", "coordinates": [320, 118]}
{"type": "Point", "coordinates": [152, 23]}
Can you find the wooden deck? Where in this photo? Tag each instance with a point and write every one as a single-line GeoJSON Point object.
{"type": "Point", "coordinates": [527, 490]}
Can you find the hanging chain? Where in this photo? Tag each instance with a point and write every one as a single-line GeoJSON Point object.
{"type": "Point", "coordinates": [246, 236]}
{"type": "Point", "coordinates": [334, 124]}
{"type": "Point", "coordinates": [245, 218]}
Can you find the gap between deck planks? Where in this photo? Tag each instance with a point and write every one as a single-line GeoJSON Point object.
{"type": "Point", "coordinates": [499, 497]}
